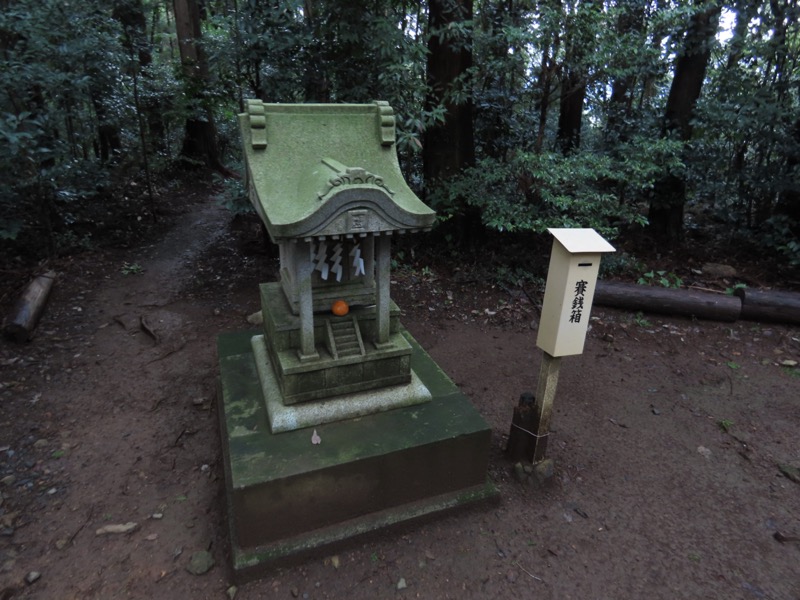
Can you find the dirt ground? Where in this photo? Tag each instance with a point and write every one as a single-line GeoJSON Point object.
{"type": "Point", "coordinates": [673, 440]}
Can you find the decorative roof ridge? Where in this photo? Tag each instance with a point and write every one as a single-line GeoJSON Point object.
{"type": "Point", "coordinates": [349, 176]}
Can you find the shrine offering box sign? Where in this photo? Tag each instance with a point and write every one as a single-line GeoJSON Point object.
{"type": "Point", "coordinates": [571, 281]}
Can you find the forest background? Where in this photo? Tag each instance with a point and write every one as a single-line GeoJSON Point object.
{"type": "Point", "coordinates": [671, 121]}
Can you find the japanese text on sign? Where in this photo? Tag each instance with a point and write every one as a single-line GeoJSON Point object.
{"type": "Point", "coordinates": [577, 302]}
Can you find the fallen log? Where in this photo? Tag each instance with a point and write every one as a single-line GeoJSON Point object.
{"type": "Point", "coordinates": [768, 305]}
{"type": "Point", "coordinates": [29, 308]}
{"type": "Point", "coordinates": [690, 303]}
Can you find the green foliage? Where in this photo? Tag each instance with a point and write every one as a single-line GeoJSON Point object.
{"type": "Point", "coordinates": [535, 191]}
{"type": "Point", "coordinates": [737, 286]}
{"type": "Point", "coordinates": [80, 110]}
{"type": "Point", "coordinates": [131, 269]}
{"type": "Point", "coordinates": [516, 277]}
{"type": "Point", "coordinates": [233, 196]}
{"type": "Point", "coordinates": [663, 278]}
{"type": "Point", "coordinates": [64, 107]}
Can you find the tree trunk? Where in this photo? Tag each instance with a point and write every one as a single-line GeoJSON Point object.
{"type": "Point", "coordinates": [570, 117]}
{"type": "Point", "coordinates": [317, 85]}
{"type": "Point", "coordinates": [789, 197]}
{"type": "Point", "coordinates": [131, 15]}
{"type": "Point", "coordinates": [200, 134]}
{"type": "Point", "coordinates": [669, 194]}
{"type": "Point", "coordinates": [450, 146]}
{"type": "Point", "coordinates": [630, 22]}
{"type": "Point", "coordinates": [575, 77]}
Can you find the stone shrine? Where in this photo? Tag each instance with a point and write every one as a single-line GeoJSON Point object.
{"type": "Point", "coordinates": [334, 421]}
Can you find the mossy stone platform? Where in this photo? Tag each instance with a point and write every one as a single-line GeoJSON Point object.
{"type": "Point", "coordinates": [287, 496]}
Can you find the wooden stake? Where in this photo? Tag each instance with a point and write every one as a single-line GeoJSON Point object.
{"type": "Point", "coordinates": [545, 394]}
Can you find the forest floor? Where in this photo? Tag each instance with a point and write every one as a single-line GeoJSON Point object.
{"type": "Point", "coordinates": [675, 442]}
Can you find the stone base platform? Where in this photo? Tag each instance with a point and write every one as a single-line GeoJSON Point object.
{"type": "Point", "coordinates": [287, 496]}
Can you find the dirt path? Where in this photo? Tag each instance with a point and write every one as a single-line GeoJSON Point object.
{"type": "Point", "coordinates": [668, 439]}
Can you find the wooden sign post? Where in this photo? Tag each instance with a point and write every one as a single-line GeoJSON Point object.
{"type": "Point", "coordinates": [571, 281]}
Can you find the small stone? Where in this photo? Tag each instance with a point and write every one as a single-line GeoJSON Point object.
{"type": "Point", "coordinates": [295, 592]}
{"type": "Point", "coordinates": [401, 583]}
{"type": "Point", "coordinates": [788, 363]}
{"type": "Point", "coordinates": [511, 576]}
{"type": "Point", "coordinates": [519, 472]}
{"type": "Point", "coordinates": [8, 480]}
{"type": "Point", "coordinates": [198, 401]}
{"type": "Point", "coordinates": [61, 544]}
{"type": "Point", "coordinates": [543, 471]}
{"type": "Point", "coordinates": [718, 270]}
{"type": "Point", "coordinates": [231, 591]}
{"type": "Point", "coordinates": [335, 561]}
{"type": "Point", "coordinates": [157, 516]}
{"type": "Point", "coordinates": [200, 563]}
{"type": "Point", "coordinates": [151, 537]}
{"type": "Point", "coordinates": [41, 443]}
{"type": "Point", "coordinates": [257, 318]}
{"type": "Point", "coordinates": [117, 528]}
{"type": "Point", "coordinates": [704, 452]}
{"type": "Point", "coordinates": [32, 577]}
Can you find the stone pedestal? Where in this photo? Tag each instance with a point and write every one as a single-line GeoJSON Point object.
{"type": "Point", "coordinates": [287, 496]}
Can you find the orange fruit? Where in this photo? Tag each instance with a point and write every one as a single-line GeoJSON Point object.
{"type": "Point", "coordinates": [340, 308]}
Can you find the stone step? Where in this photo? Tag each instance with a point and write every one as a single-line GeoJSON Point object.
{"type": "Point", "coordinates": [349, 351]}
{"type": "Point", "coordinates": [345, 337]}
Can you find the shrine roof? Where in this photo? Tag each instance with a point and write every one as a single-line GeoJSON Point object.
{"type": "Point", "coordinates": [327, 169]}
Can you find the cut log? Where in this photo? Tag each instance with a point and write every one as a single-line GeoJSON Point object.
{"type": "Point", "coordinates": [29, 308]}
{"type": "Point", "coordinates": [767, 305]}
{"type": "Point", "coordinates": [690, 303]}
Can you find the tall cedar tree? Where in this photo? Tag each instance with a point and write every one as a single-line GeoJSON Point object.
{"type": "Point", "coordinates": [575, 76]}
{"type": "Point", "coordinates": [669, 194]}
{"type": "Point", "coordinates": [450, 146]}
{"type": "Point", "coordinates": [200, 136]}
